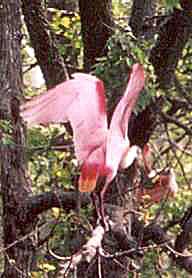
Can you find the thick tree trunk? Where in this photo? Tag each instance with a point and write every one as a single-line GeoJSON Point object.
{"type": "Point", "coordinates": [18, 251]}
{"type": "Point", "coordinates": [96, 24]}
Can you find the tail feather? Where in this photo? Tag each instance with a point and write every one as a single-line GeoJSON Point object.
{"type": "Point", "coordinates": [88, 178]}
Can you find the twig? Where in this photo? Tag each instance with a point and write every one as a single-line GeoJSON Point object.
{"type": "Point", "coordinates": [175, 121]}
{"type": "Point", "coordinates": [30, 67]}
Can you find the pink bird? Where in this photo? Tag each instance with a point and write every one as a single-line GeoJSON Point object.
{"type": "Point", "coordinates": [100, 150]}
{"type": "Point", "coordinates": [158, 184]}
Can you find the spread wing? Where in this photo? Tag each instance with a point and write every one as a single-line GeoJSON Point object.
{"type": "Point", "coordinates": [127, 103]}
{"type": "Point", "coordinates": [117, 142]}
{"type": "Point", "coordinates": [81, 101]}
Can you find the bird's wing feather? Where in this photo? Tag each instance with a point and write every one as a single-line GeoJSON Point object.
{"type": "Point", "coordinates": [81, 101]}
{"type": "Point", "coordinates": [117, 141]}
{"type": "Point", "coordinates": [128, 101]}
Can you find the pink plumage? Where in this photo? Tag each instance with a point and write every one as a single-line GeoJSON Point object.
{"type": "Point", "coordinates": [162, 182]}
{"type": "Point", "coordinates": [81, 101]}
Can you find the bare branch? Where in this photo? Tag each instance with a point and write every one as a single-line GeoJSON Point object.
{"type": "Point", "coordinates": [35, 205]}
{"type": "Point", "coordinates": [174, 120]}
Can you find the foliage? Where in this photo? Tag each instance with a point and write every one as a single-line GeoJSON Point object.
{"type": "Point", "coordinates": [6, 132]}
{"type": "Point", "coordinates": [48, 166]}
{"type": "Point", "coordinates": [123, 50]}
{"type": "Point", "coordinates": [170, 4]}
{"type": "Point", "coordinates": [67, 28]}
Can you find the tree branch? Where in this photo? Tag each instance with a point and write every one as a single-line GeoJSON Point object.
{"type": "Point", "coordinates": [35, 205]}
{"type": "Point", "coordinates": [153, 232]}
{"type": "Point", "coordinates": [174, 120]}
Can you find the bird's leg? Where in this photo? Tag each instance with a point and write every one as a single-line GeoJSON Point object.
{"type": "Point", "coordinates": [102, 209]}
{"type": "Point", "coordinates": [94, 198]}
{"type": "Point", "coordinates": [98, 201]}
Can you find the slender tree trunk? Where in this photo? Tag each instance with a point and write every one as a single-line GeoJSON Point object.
{"type": "Point", "coordinates": [69, 5]}
{"type": "Point", "coordinates": [140, 10]}
{"type": "Point", "coordinates": [43, 42]}
{"type": "Point", "coordinates": [18, 253]}
{"type": "Point", "coordinates": [172, 37]}
{"type": "Point", "coordinates": [96, 24]}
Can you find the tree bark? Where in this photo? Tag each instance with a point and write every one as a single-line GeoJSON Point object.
{"type": "Point", "coordinates": [43, 42]}
{"type": "Point", "coordinates": [172, 37]}
{"type": "Point", "coordinates": [68, 5]}
{"type": "Point", "coordinates": [141, 9]}
{"type": "Point", "coordinates": [96, 26]}
{"type": "Point", "coordinates": [18, 256]}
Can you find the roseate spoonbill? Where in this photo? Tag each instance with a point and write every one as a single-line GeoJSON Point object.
{"type": "Point", "coordinates": [159, 184]}
{"type": "Point", "coordinates": [81, 101]}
